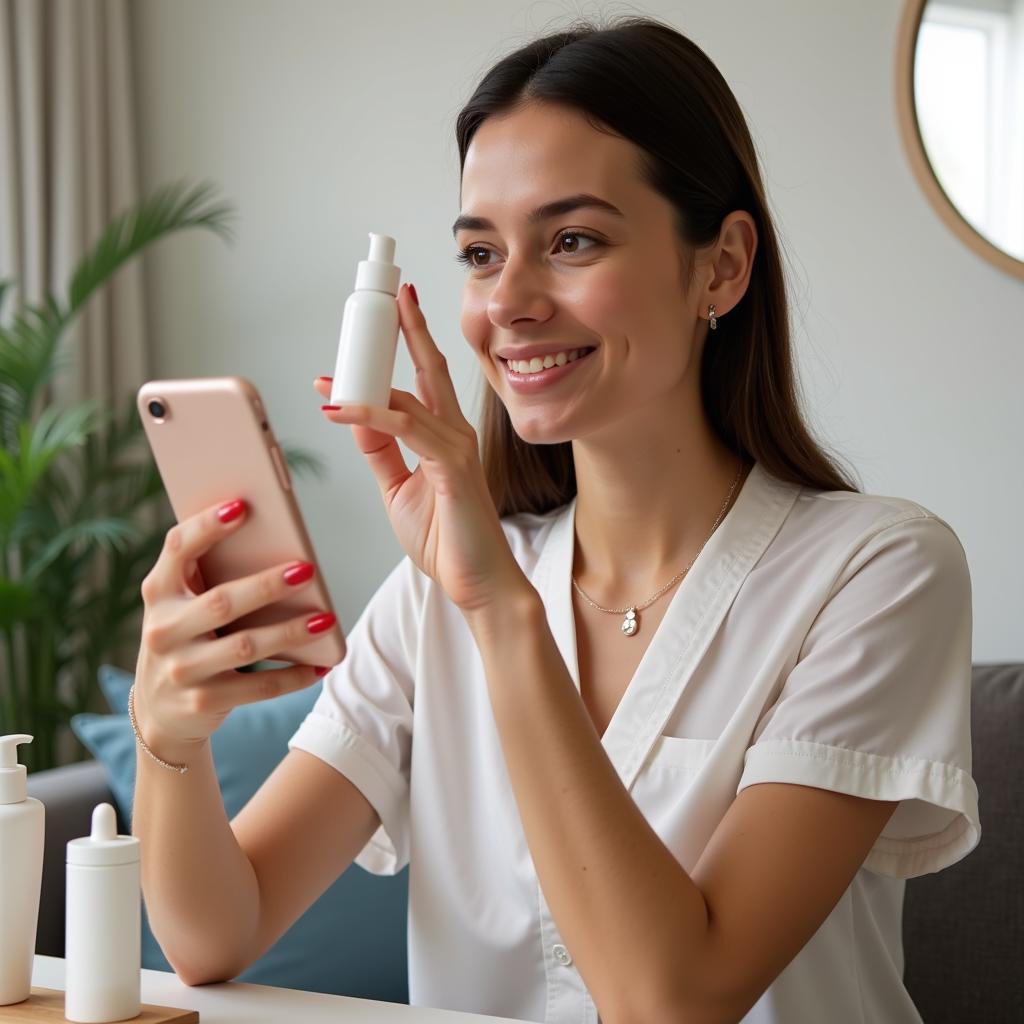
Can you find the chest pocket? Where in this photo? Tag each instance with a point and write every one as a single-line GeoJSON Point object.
{"type": "Point", "coordinates": [677, 754]}
{"type": "Point", "coordinates": [666, 788]}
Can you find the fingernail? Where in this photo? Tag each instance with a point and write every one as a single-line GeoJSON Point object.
{"type": "Point", "coordinates": [298, 573]}
{"type": "Point", "coordinates": [321, 670]}
{"type": "Point", "coordinates": [325, 378]}
{"type": "Point", "coordinates": [330, 406]}
{"type": "Point", "coordinates": [318, 623]}
{"type": "Point", "coordinates": [232, 510]}
{"type": "Point", "coordinates": [412, 292]}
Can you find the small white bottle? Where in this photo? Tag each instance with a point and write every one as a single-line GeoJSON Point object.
{"type": "Point", "coordinates": [22, 827]}
{"type": "Point", "coordinates": [369, 330]}
{"type": "Point", "coordinates": [103, 928]}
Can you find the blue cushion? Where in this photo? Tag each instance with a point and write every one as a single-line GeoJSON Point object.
{"type": "Point", "coordinates": [352, 940]}
{"type": "Point", "coordinates": [115, 684]}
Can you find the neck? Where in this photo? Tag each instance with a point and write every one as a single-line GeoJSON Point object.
{"type": "Point", "coordinates": [645, 509]}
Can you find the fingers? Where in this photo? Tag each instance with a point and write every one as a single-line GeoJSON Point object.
{"type": "Point", "coordinates": [383, 456]}
{"type": "Point", "coordinates": [381, 449]}
{"type": "Point", "coordinates": [176, 570]}
{"type": "Point", "coordinates": [214, 662]}
{"type": "Point", "coordinates": [427, 435]}
{"type": "Point", "coordinates": [433, 379]}
{"type": "Point", "coordinates": [234, 688]}
{"type": "Point", "coordinates": [376, 432]}
{"type": "Point", "coordinates": [219, 606]}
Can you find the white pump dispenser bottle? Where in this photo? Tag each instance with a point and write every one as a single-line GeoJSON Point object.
{"type": "Point", "coordinates": [369, 330]}
{"type": "Point", "coordinates": [103, 929]}
{"type": "Point", "coordinates": [22, 826]}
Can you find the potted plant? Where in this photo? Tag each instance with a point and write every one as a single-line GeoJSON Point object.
{"type": "Point", "coordinates": [83, 512]}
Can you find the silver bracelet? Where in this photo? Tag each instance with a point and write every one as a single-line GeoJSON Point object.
{"type": "Point", "coordinates": [179, 768]}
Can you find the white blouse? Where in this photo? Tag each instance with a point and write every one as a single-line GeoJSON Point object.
{"type": "Point", "coordinates": [820, 638]}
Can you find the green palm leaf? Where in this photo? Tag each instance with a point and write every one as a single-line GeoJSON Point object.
{"type": "Point", "coordinates": [27, 358]}
{"type": "Point", "coordinates": [38, 445]}
{"type": "Point", "coordinates": [27, 348]}
{"type": "Point", "coordinates": [18, 603]}
{"type": "Point", "coordinates": [170, 208]}
{"type": "Point", "coordinates": [108, 534]}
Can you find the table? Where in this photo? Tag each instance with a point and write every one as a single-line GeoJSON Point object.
{"type": "Point", "coordinates": [237, 1002]}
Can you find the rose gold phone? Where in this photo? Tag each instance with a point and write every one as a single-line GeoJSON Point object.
{"type": "Point", "coordinates": [212, 443]}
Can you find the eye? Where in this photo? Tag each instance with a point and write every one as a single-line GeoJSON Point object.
{"type": "Point", "coordinates": [467, 256]}
{"type": "Point", "coordinates": [576, 235]}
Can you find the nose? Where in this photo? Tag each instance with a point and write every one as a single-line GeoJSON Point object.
{"type": "Point", "coordinates": [519, 294]}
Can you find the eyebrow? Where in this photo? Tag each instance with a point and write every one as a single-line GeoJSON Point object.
{"type": "Point", "coordinates": [555, 208]}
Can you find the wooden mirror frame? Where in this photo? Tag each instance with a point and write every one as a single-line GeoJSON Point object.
{"type": "Point", "coordinates": [913, 145]}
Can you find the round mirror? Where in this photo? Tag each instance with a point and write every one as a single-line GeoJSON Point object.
{"type": "Point", "coordinates": [960, 102]}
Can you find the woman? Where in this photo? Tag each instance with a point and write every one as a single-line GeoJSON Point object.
{"type": "Point", "coordinates": [687, 706]}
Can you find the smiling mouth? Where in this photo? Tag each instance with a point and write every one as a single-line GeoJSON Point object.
{"type": "Point", "coordinates": [554, 360]}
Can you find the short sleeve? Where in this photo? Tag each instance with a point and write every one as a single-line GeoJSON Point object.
{"type": "Point", "coordinates": [878, 703]}
{"type": "Point", "coordinates": [361, 724]}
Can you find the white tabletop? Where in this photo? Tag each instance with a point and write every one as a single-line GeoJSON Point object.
{"type": "Point", "coordinates": [237, 1002]}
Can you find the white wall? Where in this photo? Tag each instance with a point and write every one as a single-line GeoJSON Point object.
{"type": "Point", "coordinates": [323, 120]}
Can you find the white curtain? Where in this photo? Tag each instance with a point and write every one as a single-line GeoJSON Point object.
{"type": "Point", "coordinates": [68, 165]}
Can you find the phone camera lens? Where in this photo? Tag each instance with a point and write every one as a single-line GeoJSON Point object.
{"type": "Point", "coordinates": [157, 409]}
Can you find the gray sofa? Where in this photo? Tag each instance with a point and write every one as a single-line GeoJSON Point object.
{"type": "Point", "coordinates": [963, 927]}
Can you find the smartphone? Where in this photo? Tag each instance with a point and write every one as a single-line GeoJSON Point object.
{"type": "Point", "coordinates": [212, 443]}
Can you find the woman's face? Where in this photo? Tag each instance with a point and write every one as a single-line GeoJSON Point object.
{"type": "Point", "coordinates": [583, 278]}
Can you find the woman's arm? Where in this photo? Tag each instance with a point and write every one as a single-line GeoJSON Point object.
{"type": "Point", "coordinates": [652, 942]}
{"type": "Point", "coordinates": [219, 894]}
{"type": "Point", "coordinates": [200, 890]}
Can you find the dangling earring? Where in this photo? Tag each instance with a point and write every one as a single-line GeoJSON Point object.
{"type": "Point", "coordinates": [712, 319]}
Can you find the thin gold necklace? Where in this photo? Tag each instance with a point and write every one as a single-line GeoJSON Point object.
{"type": "Point", "coordinates": [631, 623]}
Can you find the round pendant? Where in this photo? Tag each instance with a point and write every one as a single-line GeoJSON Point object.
{"type": "Point", "coordinates": [629, 623]}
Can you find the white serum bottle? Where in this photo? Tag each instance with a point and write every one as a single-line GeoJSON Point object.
{"type": "Point", "coordinates": [22, 830]}
{"type": "Point", "coordinates": [369, 330]}
{"type": "Point", "coordinates": [103, 924]}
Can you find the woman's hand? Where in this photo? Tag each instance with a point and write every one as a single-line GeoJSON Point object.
{"type": "Point", "coordinates": [442, 512]}
{"type": "Point", "coordinates": [186, 678]}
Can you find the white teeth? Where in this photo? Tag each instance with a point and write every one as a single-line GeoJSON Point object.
{"type": "Point", "coordinates": [538, 363]}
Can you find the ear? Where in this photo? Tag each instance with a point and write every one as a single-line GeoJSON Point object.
{"type": "Point", "coordinates": [732, 261]}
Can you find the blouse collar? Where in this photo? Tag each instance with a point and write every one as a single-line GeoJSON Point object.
{"type": "Point", "coordinates": [693, 615]}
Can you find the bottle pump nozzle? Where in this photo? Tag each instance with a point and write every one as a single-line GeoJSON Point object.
{"type": "Point", "coordinates": [382, 248]}
{"type": "Point", "coordinates": [104, 822]}
{"type": "Point", "coordinates": [378, 271]}
{"type": "Point", "coordinates": [13, 776]}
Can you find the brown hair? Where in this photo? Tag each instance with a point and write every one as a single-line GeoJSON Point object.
{"type": "Point", "coordinates": [652, 85]}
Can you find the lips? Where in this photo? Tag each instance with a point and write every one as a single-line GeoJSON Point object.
{"type": "Point", "coordinates": [530, 383]}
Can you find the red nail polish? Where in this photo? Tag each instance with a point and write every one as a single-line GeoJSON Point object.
{"type": "Point", "coordinates": [321, 670]}
{"type": "Point", "coordinates": [330, 406]}
{"type": "Point", "coordinates": [412, 292]}
{"type": "Point", "coordinates": [318, 623]}
{"type": "Point", "coordinates": [232, 510]}
{"type": "Point", "coordinates": [299, 573]}
{"type": "Point", "coordinates": [325, 378]}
